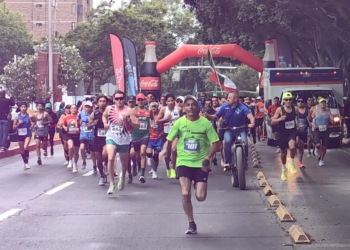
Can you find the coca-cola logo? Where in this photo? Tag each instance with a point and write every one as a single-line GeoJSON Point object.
{"type": "Point", "coordinates": [213, 50]}
{"type": "Point", "coordinates": [154, 83]}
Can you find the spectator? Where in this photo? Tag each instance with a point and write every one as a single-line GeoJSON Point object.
{"type": "Point", "coordinates": [5, 105]}
{"type": "Point", "coordinates": [48, 98]}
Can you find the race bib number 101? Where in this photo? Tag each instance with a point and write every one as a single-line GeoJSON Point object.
{"type": "Point", "coordinates": [192, 146]}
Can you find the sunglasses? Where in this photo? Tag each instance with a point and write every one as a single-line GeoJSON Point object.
{"type": "Point", "coordinates": [118, 98]}
{"type": "Point", "coordinates": [288, 100]}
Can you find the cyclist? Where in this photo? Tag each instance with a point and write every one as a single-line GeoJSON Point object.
{"type": "Point", "coordinates": [198, 142]}
{"type": "Point", "coordinates": [286, 118]}
{"type": "Point", "coordinates": [234, 114]}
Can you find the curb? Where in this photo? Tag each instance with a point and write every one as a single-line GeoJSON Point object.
{"type": "Point", "coordinates": [16, 151]}
{"type": "Point", "coordinates": [254, 154]}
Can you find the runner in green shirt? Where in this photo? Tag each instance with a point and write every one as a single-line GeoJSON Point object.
{"type": "Point", "coordinates": [198, 142]}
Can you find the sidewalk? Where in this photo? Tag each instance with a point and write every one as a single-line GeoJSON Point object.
{"type": "Point", "coordinates": [14, 148]}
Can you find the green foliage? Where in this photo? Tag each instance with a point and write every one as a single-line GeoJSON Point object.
{"type": "Point", "coordinates": [20, 77]}
{"type": "Point", "coordinates": [15, 38]}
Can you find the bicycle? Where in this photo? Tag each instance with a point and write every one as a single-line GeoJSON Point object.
{"type": "Point", "coordinates": [238, 161]}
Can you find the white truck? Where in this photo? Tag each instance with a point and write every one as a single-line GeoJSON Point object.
{"type": "Point", "coordinates": [306, 82]}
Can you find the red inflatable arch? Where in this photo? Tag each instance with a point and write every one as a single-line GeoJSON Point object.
{"type": "Point", "coordinates": [218, 50]}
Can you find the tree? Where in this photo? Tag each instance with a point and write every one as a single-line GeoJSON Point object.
{"type": "Point", "coordinates": [20, 77]}
{"type": "Point", "coordinates": [15, 38]}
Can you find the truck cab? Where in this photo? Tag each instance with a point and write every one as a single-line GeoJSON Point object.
{"type": "Point", "coordinates": [307, 83]}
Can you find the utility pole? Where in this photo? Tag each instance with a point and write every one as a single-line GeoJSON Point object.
{"type": "Point", "coordinates": [50, 52]}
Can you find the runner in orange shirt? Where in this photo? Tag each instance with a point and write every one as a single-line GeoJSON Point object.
{"type": "Point", "coordinates": [259, 117]}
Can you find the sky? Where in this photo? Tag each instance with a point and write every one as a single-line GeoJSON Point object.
{"type": "Point", "coordinates": [116, 5]}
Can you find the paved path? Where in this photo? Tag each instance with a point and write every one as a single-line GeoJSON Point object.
{"type": "Point", "coordinates": [143, 216]}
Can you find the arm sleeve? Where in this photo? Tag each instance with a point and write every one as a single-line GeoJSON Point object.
{"type": "Point", "coordinates": [246, 111]}
{"type": "Point", "coordinates": [220, 112]}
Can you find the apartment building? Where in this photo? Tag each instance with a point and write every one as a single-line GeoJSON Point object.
{"type": "Point", "coordinates": [66, 14]}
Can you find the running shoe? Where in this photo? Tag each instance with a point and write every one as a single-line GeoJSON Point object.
{"type": "Point", "coordinates": [75, 168]}
{"type": "Point", "coordinates": [292, 168]}
{"type": "Point", "coordinates": [142, 179]}
{"type": "Point", "coordinates": [172, 174]}
{"type": "Point", "coordinates": [192, 229]}
{"type": "Point", "coordinates": [111, 189]}
{"type": "Point", "coordinates": [102, 181]}
{"type": "Point", "coordinates": [154, 175]}
{"type": "Point", "coordinates": [45, 153]}
{"type": "Point", "coordinates": [129, 181]}
{"type": "Point", "coordinates": [52, 153]}
{"type": "Point", "coordinates": [321, 163]}
{"type": "Point", "coordinates": [151, 171]}
{"type": "Point", "coordinates": [39, 161]}
{"type": "Point", "coordinates": [70, 165]}
{"type": "Point", "coordinates": [301, 165]}
{"type": "Point", "coordinates": [308, 155]}
{"type": "Point", "coordinates": [168, 172]}
{"type": "Point", "coordinates": [27, 166]}
{"type": "Point", "coordinates": [66, 163]}
{"type": "Point", "coordinates": [284, 175]}
{"type": "Point", "coordinates": [94, 169]}
{"type": "Point", "coordinates": [278, 150]}
{"type": "Point", "coordinates": [83, 167]}
{"type": "Point", "coordinates": [121, 182]}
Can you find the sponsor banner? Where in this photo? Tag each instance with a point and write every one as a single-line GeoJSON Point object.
{"type": "Point", "coordinates": [118, 62]}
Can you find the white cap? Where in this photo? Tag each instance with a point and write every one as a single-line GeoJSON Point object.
{"type": "Point", "coordinates": [88, 103]}
{"type": "Point", "coordinates": [181, 98]}
{"type": "Point", "coordinates": [258, 98]}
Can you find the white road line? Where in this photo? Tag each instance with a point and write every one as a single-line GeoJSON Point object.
{"type": "Point", "coordinates": [9, 213]}
{"type": "Point", "coordinates": [89, 173]}
{"type": "Point", "coordinates": [346, 152]}
{"type": "Point", "coordinates": [56, 189]}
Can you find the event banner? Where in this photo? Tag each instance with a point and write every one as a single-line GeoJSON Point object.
{"type": "Point", "coordinates": [118, 62]}
{"type": "Point", "coordinates": [131, 66]}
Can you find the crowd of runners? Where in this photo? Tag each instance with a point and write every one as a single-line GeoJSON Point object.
{"type": "Point", "coordinates": [186, 132]}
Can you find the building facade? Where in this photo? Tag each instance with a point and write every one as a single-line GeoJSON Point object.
{"type": "Point", "coordinates": [66, 14]}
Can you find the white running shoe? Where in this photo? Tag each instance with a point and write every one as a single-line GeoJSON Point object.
{"type": "Point", "coordinates": [154, 175]}
{"type": "Point", "coordinates": [151, 171]}
{"type": "Point", "coordinates": [70, 165]}
{"type": "Point", "coordinates": [75, 168]}
{"type": "Point", "coordinates": [66, 163]}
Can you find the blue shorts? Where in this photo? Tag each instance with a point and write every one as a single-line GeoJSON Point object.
{"type": "Point", "coordinates": [157, 145]}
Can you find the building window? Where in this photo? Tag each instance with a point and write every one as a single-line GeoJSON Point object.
{"type": "Point", "coordinates": [38, 5]}
{"type": "Point", "coordinates": [74, 8]}
{"type": "Point", "coordinates": [80, 9]}
{"type": "Point", "coordinates": [87, 2]}
{"type": "Point", "coordinates": [73, 25]}
{"type": "Point", "coordinates": [38, 24]}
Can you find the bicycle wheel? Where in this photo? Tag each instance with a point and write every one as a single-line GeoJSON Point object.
{"type": "Point", "coordinates": [240, 168]}
{"type": "Point", "coordinates": [234, 175]}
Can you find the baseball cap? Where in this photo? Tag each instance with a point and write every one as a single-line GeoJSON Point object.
{"type": "Point", "coordinates": [181, 98]}
{"type": "Point", "coordinates": [287, 95]}
{"type": "Point", "coordinates": [322, 100]}
{"type": "Point", "coordinates": [188, 97]}
{"type": "Point", "coordinates": [48, 105]}
{"type": "Point", "coordinates": [140, 96]}
{"type": "Point", "coordinates": [258, 98]}
{"type": "Point", "coordinates": [88, 103]}
{"type": "Point", "coordinates": [154, 104]}
{"type": "Point", "coordinates": [131, 98]}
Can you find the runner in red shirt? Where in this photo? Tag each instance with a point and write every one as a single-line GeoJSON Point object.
{"type": "Point", "coordinates": [271, 112]}
{"type": "Point", "coordinates": [72, 126]}
{"type": "Point", "coordinates": [259, 117]}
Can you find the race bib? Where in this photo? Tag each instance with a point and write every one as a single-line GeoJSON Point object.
{"type": "Point", "coordinates": [302, 123]}
{"type": "Point", "coordinates": [322, 128]}
{"type": "Point", "coordinates": [22, 131]}
{"type": "Point", "coordinates": [86, 130]}
{"type": "Point", "coordinates": [261, 110]}
{"type": "Point", "coordinates": [39, 124]}
{"type": "Point", "coordinates": [101, 132]}
{"type": "Point", "coordinates": [289, 125]}
{"type": "Point", "coordinates": [72, 128]}
{"type": "Point", "coordinates": [143, 125]}
{"type": "Point", "coordinates": [116, 129]}
{"type": "Point", "coordinates": [192, 146]}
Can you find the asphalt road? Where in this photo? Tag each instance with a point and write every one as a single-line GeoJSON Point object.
{"type": "Point", "coordinates": [149, 216]}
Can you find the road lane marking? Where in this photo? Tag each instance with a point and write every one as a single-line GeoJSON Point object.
{"type": "Point", "coordinates": [89, 173]}
{"type": "Point", "coordinates": [346, 152]}
{"type": "Point", "coordinates": [9, 213]}
{"type": "Point", "coordinates": [56, 189]}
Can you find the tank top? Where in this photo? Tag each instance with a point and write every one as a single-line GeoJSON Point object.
{"type": "Point", "coordinates": [322, 120]}
{"type": "Point", "coordinates": [288, 125]}
{"type": "Point", "coordinates": [24, 127]}
{"type": "Point", "coordinates": [42, 129]}
{"type": "Point", "coordinates": [303, 123]}
{"type": "Point", "coordinates": [174, 116]}
{"type": "Point", "coordinates": [155, 130]}
{"type": "Point", "coordinates": [85, 132]}
{"type": "Point", "coordinates": [118, 127]}
{"type": "Point", "coordinates": [144, 121]}
{"type": "Point", "coordinates": [99, 132]}
{"type": "Point", "coordinates": [73, 126]}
